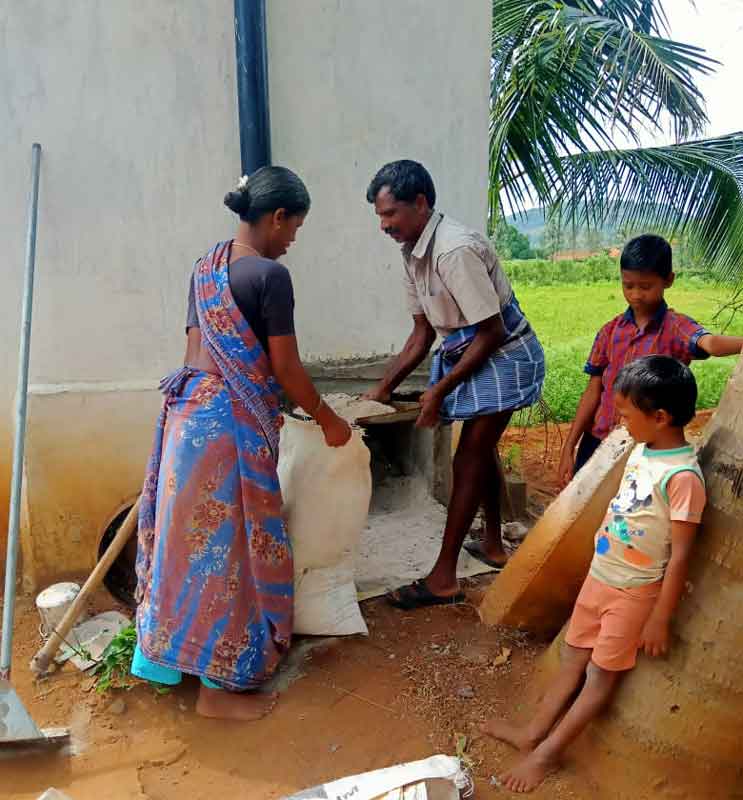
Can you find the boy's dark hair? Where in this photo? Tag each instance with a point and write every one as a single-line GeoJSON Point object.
{"type": "Point", "coordinates": [660, 383]}
{"type": "Point", "coordinates": [406, 180]}
{"type": "Point", "coordinates": [648, 253]}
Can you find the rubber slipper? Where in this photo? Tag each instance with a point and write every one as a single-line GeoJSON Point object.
{"type": "Point", "coordinates": [418, 595]}
{"type": "Point", "coordinates": [475, 550]}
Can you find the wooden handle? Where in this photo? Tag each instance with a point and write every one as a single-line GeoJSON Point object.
{"type": "Point", "coordinates": [40, 662]}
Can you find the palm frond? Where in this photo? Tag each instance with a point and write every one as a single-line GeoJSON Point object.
{"type": "Point", "coordinates": [567, 76]}
{"type": "Point", "coordinates": [645, 16]}
{"type": "Point", "coordinates": [693, 189]}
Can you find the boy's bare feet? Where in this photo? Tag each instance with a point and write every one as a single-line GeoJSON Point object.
{"type": "Point", "coordinates": [246, 707]}
{"type": "Point", "coordinates": [516, 735]}
{"type": "Point", "coordinates": [528, 773]}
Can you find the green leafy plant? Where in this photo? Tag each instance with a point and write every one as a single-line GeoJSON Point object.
{"type": "Point", "coordinates": [512, 459]}
{"type": "Point", "coordinates": [461, 744]}
{"type": "Point", "coordinates": [566, 317]}
{"type": "Point", "coordinates": [113, 671]}
{"type": "Point", "coordinates": [510, 243]}
{"type": "Point", "coordinates": [599, 268]}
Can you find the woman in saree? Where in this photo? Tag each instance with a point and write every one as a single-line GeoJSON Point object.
{"type": "Point", "coordinates": [214, 562]}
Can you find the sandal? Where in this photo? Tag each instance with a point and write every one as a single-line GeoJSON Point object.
{"type": "Point", "coordinates": [418, 595]}
{"type": "Point", "coordinates": [475, 550]}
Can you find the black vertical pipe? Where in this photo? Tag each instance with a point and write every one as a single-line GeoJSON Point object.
{"type": "Point", "coordinates": [252, 84]}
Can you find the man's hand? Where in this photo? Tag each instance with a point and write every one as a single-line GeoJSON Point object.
{"type": "Point", "coordinates": [430, 401]}
{"type": "Point", "coordinates": [565, 469]}
{"type": "Point", "coordinates": [656, 636]}
{"type": "Point", "coordinates": [378, 394]}
{"type": "Point", "coordinates": [411, 356]}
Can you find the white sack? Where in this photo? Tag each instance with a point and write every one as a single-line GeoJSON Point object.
{"type": "Point", "coordinates": [326, 493]}
{"type": "Point", "coordinates": [442, 774]}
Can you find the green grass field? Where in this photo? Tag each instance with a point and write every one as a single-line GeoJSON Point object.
{"type": "Point", "coordinates": [566, 318]}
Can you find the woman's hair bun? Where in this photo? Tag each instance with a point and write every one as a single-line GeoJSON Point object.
{"type": "Point", "coordinates": [238, 201]}
{"type": "Point", "coordinates": [267, 190]}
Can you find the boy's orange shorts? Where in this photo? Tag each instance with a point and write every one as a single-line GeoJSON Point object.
{"type": "Point", "coordinates": [609, 621]}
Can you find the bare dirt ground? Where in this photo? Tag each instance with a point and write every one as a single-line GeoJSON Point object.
{"type": "Point", "coordinates": [403, 693]}
{"type": "Point", "coordinates": [536, 452]}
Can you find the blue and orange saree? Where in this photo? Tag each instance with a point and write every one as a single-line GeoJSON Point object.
{"type": "Point", "coordinates": [214, 562]}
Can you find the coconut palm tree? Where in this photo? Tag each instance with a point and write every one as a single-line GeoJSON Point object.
{"type": "Point", "coordinates": [568, 78]}
{"type": "Point", "coordinates": [571, 79]}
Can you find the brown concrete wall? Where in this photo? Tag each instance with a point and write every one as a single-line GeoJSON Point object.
{"type": "Point", "coordinates": [136, 108]}
{"type": "Point", "coordinates": [86, 452]}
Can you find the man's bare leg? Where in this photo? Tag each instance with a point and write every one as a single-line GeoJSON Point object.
{"type": "Point", "coordinates": [527, 737]}
{"type": "Point", "coordinates": [593, 698]}
{"type": "Point", "coordinates": [492, 543]}
{"type": "Point", "coordinates": [472, 467]}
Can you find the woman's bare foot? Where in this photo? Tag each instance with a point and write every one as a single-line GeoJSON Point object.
{"type": "Point", "coordinates": [516, 735]}
{"type": "Point", "coordinates": [528, 773]}
{"type": "Point", "coordinates": [221, 704]}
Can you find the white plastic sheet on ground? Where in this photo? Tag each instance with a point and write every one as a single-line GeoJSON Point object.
{"type": "Point", "coordinates": [326, 494]}
{"type": "Point", "coordinates": [436, 778]}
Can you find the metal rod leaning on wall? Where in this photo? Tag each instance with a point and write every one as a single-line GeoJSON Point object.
{"type": "Point", "coordinates": [14, 515]}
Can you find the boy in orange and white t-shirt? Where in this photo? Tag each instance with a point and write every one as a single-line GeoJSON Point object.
{"type": "Point", "coordinates": [638, 571]}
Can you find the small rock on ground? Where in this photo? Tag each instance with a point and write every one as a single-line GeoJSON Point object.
{"type": "Point", "coordinates": [118, 707]}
